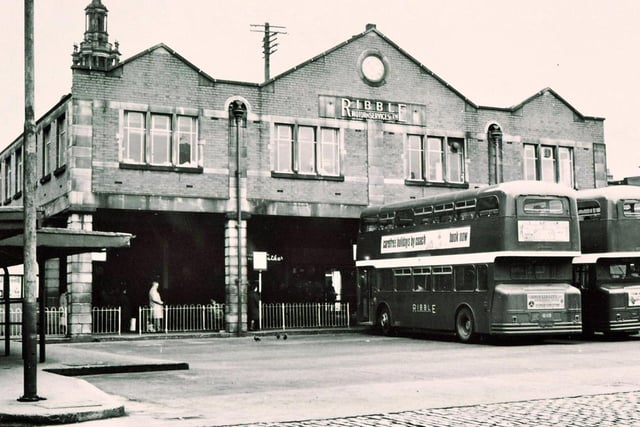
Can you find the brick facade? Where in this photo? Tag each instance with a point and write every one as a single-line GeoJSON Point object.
{"type": "Point", "coordinates": [373, 154]}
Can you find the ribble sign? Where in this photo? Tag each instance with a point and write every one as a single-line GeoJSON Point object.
{"type": "Point", "coordinates": [350, 108]}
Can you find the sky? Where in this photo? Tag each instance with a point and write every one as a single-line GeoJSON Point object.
{"type": "Point", "coordinates": [495, 52]}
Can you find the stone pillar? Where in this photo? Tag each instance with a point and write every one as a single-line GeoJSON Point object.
{"type": "Point", "coordinates": [80, 281]}
{"type": "Point", "coordinates": [231, 270]}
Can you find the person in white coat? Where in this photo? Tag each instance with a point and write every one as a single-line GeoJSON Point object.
{"type": "Point", "coordinates": [157, 307]}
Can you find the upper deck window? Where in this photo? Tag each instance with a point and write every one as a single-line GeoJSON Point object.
{"type": "Point", "coordinates": [488, 206]}
{"type": "Point", "coordinates": [538, 206]}
{"type": "Point", "coordinates": [631, 208]}
{"type": "Point", "coordinates": [589, 209]}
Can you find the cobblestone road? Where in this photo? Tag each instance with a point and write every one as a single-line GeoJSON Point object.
{"type": "Point", "coordinates": [616, 409]}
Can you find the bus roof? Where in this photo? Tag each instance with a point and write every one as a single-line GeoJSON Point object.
{"type": "Point", "coordinates": [513, 188]}
{"type": "Point", "coordinates": [612, 192]}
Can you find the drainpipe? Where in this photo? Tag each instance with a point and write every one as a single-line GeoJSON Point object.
{"type": "Point", "coordinates": [238, 111]}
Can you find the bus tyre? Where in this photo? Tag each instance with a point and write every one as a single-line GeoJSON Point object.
{"type": "Point", "coordinates": [465, 325]}
{"type": "Point", "coordinates": [384, 321]}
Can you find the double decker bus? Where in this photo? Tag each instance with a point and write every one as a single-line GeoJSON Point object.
{"type": "Point", "coordinates": [490, 261]}
{"type": "Point", "coordinates": [608, 271]}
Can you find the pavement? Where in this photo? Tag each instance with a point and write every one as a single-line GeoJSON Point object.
{"type": "Point", "coordinates": [66, 398]}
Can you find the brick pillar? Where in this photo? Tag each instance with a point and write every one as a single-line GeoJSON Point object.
{"type": "Point", "coordinates": [80, 281]}
{"type": "Point", "coordinates": [231, 276]}
{"type": "Point", "coordinates": [375, 160]}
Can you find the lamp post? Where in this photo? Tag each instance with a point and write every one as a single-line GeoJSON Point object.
{"type": "Point", "coordinates": [238, 111]}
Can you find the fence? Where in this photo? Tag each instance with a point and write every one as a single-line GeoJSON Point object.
{"type": "Point", "coordinates": [56, 321]}
{"type": "Point", "coordinates": [106, 320]}
{"type": "Point", "coordinates": [190, 318]}
{"type": "Point", "coordinates": [305, 315]}
{"type": "Point", "coordinates": [182, 318]}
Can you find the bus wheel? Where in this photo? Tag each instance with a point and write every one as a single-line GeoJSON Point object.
{"type": "Point", "coordinates": [384, 321]}
{"type": "Point", "coordinates": [465, 325]}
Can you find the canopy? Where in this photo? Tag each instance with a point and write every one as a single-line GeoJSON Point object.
{"type": "Point", "coordinates": [59, 242]}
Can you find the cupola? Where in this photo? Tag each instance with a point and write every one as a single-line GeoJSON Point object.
{"type": "Point", "coordinates": [95, 52]}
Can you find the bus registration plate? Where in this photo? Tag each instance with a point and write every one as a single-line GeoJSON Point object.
{"type": "Point", "coordinates": [634, 297]}
{"type": "Point", "coordinates": [545, 301]}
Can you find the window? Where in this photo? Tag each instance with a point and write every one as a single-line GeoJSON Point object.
{"type": "Point", "coordinates": [421, 279]}
{"type": "Point", "coordinates": [631, 208]}
{"type": "Point", "coordinates": [307, 150]}
{"type": "Point", "coordinates": [588, 210]}
{"type": "Point", "coordinates": [160, 139]}
{"type": "Point", "coordinates": [442, 278]}
{"type": "Point", "coordinates": [402, 277]}
{"type": "Point", "coordinates": [415, 150]}
{"type": "Point", "coordinates": [46, 151]}
{"type": "Point", "coordinates": [465, 278]}
{"type": "Point", "coordinates": [535, 206]}
{"type": "Point", "coordinates": [284, 148]}
{"type": "Point", "coordinates": [436, 159]}
{"type": "Point", "coordinates": [61, 146]}
{"type": "Point", "coordinates": [169, 140]}
{"type": "Point", "coordinates": [530, 162]}
{"type": "Point", "coordinates": [565, 166]}
{"type": "Point", "coordinates": [548, 163]}
{"type": "Point", "coordinates": [8, 182]}
{"type": "Point", "coordinates": [455, 166]}
{"type": "Point", "coordinates": [134, 136]}
{"type": "Point", "coordinates": [329, 151]}
{"type": "Point", "coordinates": [187, 139]}
{"type": "Point", "coordinates": [19, 170]}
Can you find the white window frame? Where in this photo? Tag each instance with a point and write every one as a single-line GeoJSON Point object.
{"type": "Point", "coordinates": [329, 159]}
{"type": "Point", "coordinates": [186, 136]}
{"type": "Point", "coordinates": [549, 163]}
{"type": "Point", "coordinates": [306, 149]}
{"type": "Point", "coordinates": [130, 130]}
{"type": "Point", "coordinates": [161, 134]}
{"type": "Point", "coordinates": [415, 157]}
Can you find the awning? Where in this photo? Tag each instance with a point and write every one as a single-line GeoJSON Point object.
{"type": "Point", "coordinates": [59, 242]}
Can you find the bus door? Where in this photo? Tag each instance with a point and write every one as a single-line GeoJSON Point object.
{"type": "Point", "coordinates": [364, 295]}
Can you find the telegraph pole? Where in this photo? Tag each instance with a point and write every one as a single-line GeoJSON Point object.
{"type": "Point", "coordinates": [269, 43]}
{"type": "Point", "coordinates": [29, 306]}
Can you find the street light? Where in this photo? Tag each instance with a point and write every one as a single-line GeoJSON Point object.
{"type": "Point", "coordinates": [238, 111]}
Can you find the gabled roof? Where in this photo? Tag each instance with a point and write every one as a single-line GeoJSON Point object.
{"type": "Point", "coordinates": [372, 29]}
{"type": "Point", "coordinates": [561, 99]}
{"type": "Point", "coordinates": [181, 58]}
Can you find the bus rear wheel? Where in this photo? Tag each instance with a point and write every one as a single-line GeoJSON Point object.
{"type": "Point", "coordinates": [384, 321]}
{"type": "Point", "coordinates": [465, 325]}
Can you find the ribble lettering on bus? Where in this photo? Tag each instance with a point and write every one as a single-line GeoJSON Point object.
{"type": "Point", "coordinates": [424, 308]}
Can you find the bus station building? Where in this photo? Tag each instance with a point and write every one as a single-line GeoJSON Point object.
{"type": "Point", "coordinates": [205, 172]}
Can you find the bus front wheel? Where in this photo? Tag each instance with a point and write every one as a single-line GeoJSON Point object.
{"type": "Point", "coordinates": [465, 325]}
{"type": "Point", "coordinates": [384, 321]}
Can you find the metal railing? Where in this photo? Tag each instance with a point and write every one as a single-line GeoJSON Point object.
{"type": "Point", "coordinates": [304, 315]}
{"type": "Point", "coordinates": [182, 318]}
{"type": "Point", "coordinates": [106, 320]}
{"type": "Point", "coordinates": [55, 323]}
{"type": "Point", "coordinates": [189, 318]}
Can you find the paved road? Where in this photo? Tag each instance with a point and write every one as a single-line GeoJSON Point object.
{"type": "Point", "coordinates": [355, 379]}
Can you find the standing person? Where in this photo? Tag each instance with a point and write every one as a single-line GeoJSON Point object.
{"type": "Point", "coordinates": [64, 308]}
{"type": "Point", "coordinates": [157, 307]}
{"type": "Point", "coordinates": [254, 308]}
